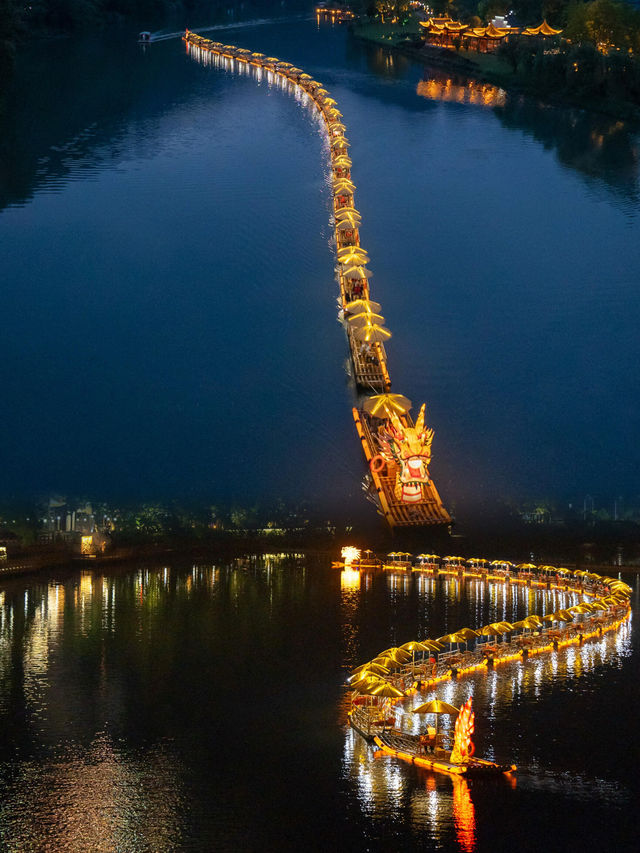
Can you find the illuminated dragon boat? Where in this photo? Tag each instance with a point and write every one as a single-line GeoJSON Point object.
{"type": "Point", "coordinates": [397, 449]}
{"type": "Point", "coordinates": [421, 665]}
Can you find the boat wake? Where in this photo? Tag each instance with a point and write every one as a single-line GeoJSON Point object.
{"type": "Point", "coordinates": [256, 22]}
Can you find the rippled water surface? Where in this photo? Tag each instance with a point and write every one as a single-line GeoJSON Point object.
{"type": "Point", "coordinates": [203, 708]}
{"type": "Point", "coordinates": [168, 283]}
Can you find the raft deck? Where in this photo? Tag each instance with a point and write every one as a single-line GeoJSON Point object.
{"type": "Point", "coordinates": [370, 371]}
{"type": "Point", "coordinates": [407, 748]}
{"type": "Point", "coordinates": [429, 511]}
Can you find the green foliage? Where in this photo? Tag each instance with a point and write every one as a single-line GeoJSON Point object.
{"type": "Point", "coordinates": [604, 23]}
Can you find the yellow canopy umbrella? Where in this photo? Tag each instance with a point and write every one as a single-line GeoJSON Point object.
{"type": "Point", "coordinates": [347, 224]}
{"type": "Point", "coordinates": [564, 615]}
{"type": "Point", "coordinates": [348, 215]}
{"type": "Point", "coordinates": [468, 633]}
{"type": "Point", "coordinates": [437, 707]}
{"type": "Point", "coordinates": [433, 645]}
{"type": "Point", "coordinates": [491, 631]}
{"type": "Point", "coordinates": [413, 646]}
{"type": "Point", "coordinates": [365, 681]}
{"type": "Point", "coordinates": [579, 608]}
{"type": "Point", "coordinates": [345, 184]}
{"type": "Point", "coordinates": [376, 668]}
{"type": "Point", "coordinates": [346, 211]}
{"type": "Point", "coordinates": [387, 691]}
{"type": "Point", "coordinates": [306, 77]}
{"type": "Point", "coordinates": [396, 652]}
{"type": "Point", "coordinates": [449, 639]}
{"type": "Point", "coordinates": [380, 405]}
{"type": "Point", "coordinates": [258, 55]}
{"type": "Point", "coordinates": [356, 320]}
{"type": "Point", "coordinates": [242, 50]}
{"type": "Point", "coordinates": [357, 272]}
{"type": "Point", "coordinates": [355, 254]}
{"type": "Point", "coordinates": [357, 306]}
{"type": "Point", "coordinates": [367, 689]}
{"type": "Point", "coordinates": [353, 259]}
{"type": "Point", "coordinates": [372, 334]}
{"type": "Point", "coordinates": [329, 102]}
{"type": "Point", "coordinates": [342, 160]}
{"type": "Point", "coordinates": [340, 142]}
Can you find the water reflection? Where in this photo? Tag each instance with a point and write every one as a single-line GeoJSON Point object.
{"type": "Point", "coordinates": [97, 798]}
{"type": "Point", "coordinates": [520, 705]}
{"type": "Point", "coordinates": [154, 708]}
{"type": "Point", "coordinates": [259, 74]}
{"type": "Point", "coordinates": [439, 808]}
{"type": "Point", "coordinates": [597, 146]}
{"type": "Point", "coordinates": [460, 90]}
{"type": "Point", "coordinates": [464, 815]}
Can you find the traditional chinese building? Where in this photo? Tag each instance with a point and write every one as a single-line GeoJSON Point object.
{"type": "Point", "coordinates": [447, 33]}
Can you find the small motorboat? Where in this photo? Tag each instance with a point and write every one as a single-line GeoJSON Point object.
{"type": "Point", "coordinates": [144, 37]}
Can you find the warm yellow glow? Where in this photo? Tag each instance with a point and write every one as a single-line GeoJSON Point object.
{"type": "Point", "coordinates": [349, 579]}
{"type": "Point", "coordinates": [350, 554]}
{"type": "Point", "coordinates": [462, 744]}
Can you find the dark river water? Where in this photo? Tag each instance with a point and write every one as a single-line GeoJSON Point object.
{"type": "Point", "coordinates": [168, 295]}
{"type": "Point", "coordinates": [203, 708]}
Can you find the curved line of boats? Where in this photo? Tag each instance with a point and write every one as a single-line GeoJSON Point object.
{"type": "Point", "coordinates": [369, 356]}
{"type": "Point", "coordinates": [420, 665]}
{"type": "Point", "coordinates": [365, 334]}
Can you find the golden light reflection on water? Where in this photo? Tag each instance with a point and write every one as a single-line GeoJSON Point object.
{"type": "Point", "coordinates": [441, 806]}
{"type": "Point", "coordinates": [96, 799]}
{"type": "Point", "coordinates": [451, 90]}
{"type": "Point", "coordinates": [349, 579]}
{"type": "Point", "coordinates": [464, 815]}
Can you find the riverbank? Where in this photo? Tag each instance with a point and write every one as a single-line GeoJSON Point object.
{"type": "Point", "coordinates": [484, 67]}
{"type": "Point", "coordinates": [227, 547]}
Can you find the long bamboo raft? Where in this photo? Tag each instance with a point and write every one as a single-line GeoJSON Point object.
{"type": "Point", "coordinates": [397, 673]}
{"type": "Point", "coordinates": [365, 337]}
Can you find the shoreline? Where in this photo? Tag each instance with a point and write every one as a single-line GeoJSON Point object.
{"type": "Point", "coordinates": [43, 563]}
{"type": "Point", "coordinates": [451, 60]}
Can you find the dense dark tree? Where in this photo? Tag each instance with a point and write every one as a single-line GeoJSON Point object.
{"type": "Point", "coordinates": [11, 26]}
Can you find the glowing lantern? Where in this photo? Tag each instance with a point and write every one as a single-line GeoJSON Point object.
{"type": "Point", "coordinates": [350, 554]}
{"type": "Point", "coordinates": [462, 744]}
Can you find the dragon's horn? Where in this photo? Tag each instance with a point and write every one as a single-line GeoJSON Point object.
{"type": "Point", "coordinates": [420, 420]}
{"type": "Point", "coordinates": [395, 420]}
